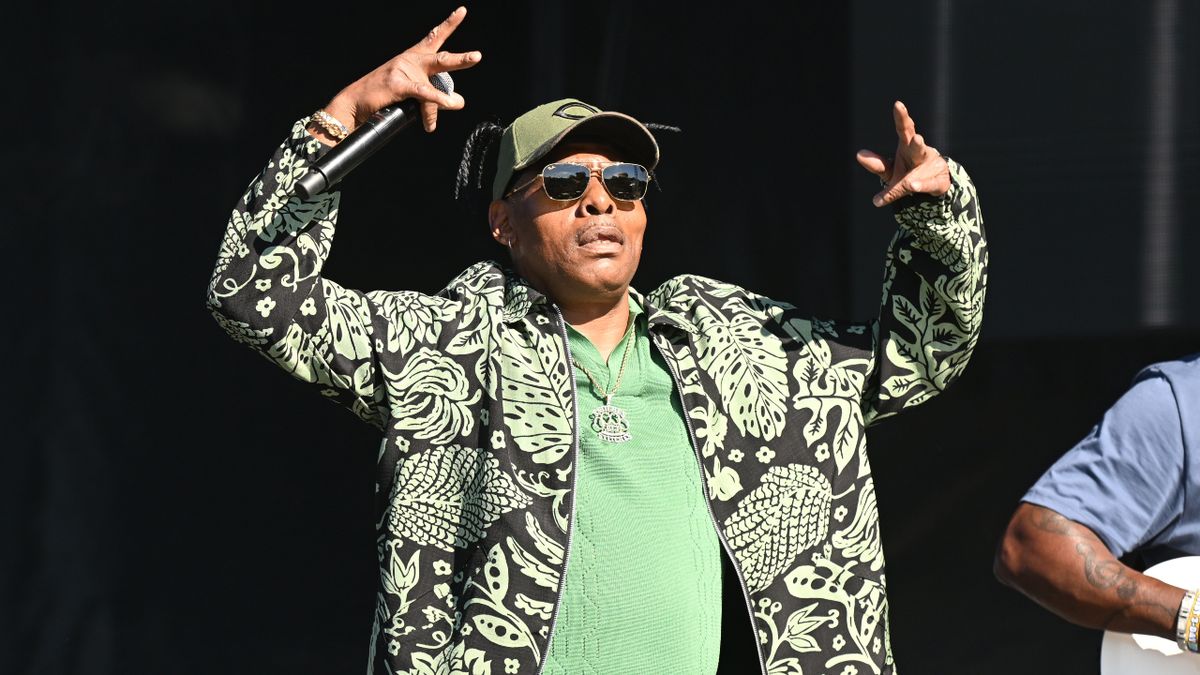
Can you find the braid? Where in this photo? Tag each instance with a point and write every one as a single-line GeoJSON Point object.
{"type": "Point", "coordinates": [481, 165]}
{"type": "Point", "coordinates": [474, 161]}
{"type": "Point", "coordinates": [655, 126]}
{"type": "Point", "coordinates": [662, 127]}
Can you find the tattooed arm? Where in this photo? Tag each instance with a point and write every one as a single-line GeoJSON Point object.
{"type": "Point", "coordinates": [1064, 567]}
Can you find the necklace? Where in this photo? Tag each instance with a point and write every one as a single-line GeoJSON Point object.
{"type": "Point", "coordinates": [608, 421]}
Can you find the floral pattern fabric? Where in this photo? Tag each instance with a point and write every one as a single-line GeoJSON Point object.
{"type": "Point", "coordinates": [472, 389]}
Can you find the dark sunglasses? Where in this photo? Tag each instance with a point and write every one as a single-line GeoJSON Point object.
{"type": "Point", "coordinates": [567, 181]}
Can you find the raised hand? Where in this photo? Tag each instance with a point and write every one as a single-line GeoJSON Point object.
{"type": "Point", "coordinates": [407, 76]}
{"type": "Point", "coordinates": [916, 168]}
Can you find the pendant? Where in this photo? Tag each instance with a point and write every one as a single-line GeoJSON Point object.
{"type": "Point", "coordinates": [610, 423]}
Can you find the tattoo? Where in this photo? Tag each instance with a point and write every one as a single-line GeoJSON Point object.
{"type": "Point", "coordinates": [1168, 614]}
{"type": "Point", "coordinates": [1050, 521]}
{"type": "Point", "coordinates": [1105, 574]}
{"type": "Point", "coordinates": [1102, 574]}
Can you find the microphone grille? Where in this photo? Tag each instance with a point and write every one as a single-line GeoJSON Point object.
{"type": "Point", "coordinates": [442, 82]}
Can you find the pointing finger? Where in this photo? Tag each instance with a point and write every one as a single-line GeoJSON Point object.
{"type": "Point", "coordinates": [435, 38]}
{"type": "Point", "coordinates": [905, 128]}
{"type": "Point", "coordinates": [445, 61]}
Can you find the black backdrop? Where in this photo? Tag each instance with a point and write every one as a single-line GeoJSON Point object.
{"type": "Point", "coordinates": [171, 504]}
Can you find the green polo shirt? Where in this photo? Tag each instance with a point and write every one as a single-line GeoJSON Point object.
{"type": "Point", "coordinates": [643, 586]}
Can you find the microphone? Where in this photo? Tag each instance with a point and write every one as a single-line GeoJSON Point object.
{"type": "Point", "coordinates": [364, 141]}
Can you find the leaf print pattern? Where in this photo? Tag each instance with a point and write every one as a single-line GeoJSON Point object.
{"type": "Point", "coordinates": [545, 573]}
{"type": "Point", "coordinates": [860, 540]}
{"type": "Point", "coordinates": [948, 229]}
{"type": "Point", "coordinates": [412, 319]}
{"type": "Point", "coordinates": [915, 354]}
{"type": "Point", "coordinates": [863, 601]}
{"type": "Point", "coordinates": [713, 428]}
{"type": "Point", "coordinates": [827, 390]}
{"type": "Point", "coordinates": [786, 514]}
{"type": "Point", "coordinates": [472, 540]}
{"type": "Point", "coordinates": [431, 397]}
{"type": "Point", "coordinates": [453, 660]}
{"type": "Point", "coordinates": [398, 578]}
{"type": "Point", "coordinates": [749, 367]}
{"type": "Point", "coordinates": [503, 627]}
{"type": "Point", "coordinates": [447, 497]}
{"type": "Point", "coordinates": [242, 332]}
{"type": "Point", "coordinates": [799, 626]}
{"type": "Point", "coordinates": [537, 395]}
{"type": "Point", "coordinates": [796, 633]}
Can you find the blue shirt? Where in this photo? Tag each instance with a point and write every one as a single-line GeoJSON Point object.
{"type": "Point", "coordinates": [1135, 479]}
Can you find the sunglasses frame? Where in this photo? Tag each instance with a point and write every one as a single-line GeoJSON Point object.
{"type": "Point", "coordinates": [593, 167]}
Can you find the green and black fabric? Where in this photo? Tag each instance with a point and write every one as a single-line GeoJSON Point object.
{"type": "Point", "coordinates": [473, 390]}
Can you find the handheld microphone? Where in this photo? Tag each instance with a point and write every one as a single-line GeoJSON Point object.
{"type": "Point", "coordinates": [364, 141]}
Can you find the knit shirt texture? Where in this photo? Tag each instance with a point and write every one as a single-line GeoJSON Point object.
{"type": "Point", "coordinates": [643, 586]}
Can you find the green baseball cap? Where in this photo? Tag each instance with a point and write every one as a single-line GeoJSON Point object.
{"type": "Point", "coordinates": [534, 134]}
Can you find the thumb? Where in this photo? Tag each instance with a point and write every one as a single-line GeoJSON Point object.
{"type": "Point", "coordinates": [890, 194]}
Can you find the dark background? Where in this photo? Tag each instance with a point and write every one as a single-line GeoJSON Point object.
{"type": "Point", "coordinates": [172, 504]}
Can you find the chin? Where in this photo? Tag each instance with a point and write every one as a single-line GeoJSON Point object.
{"type": "Point", "coordinates": [607, 282]}
{"type": "Point", "coordinates": [612, 285]}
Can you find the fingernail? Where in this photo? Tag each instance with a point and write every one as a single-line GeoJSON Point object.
{"type": "Point", "coordinates": [877, 200]}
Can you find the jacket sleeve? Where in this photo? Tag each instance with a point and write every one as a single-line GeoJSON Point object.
{"type": "Point", "coordinates": [935, 278]}
{"type": "Point", "coordinates": [267, 290]}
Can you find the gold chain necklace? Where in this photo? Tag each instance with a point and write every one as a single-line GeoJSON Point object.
{"type": "Point", "coordinates": [608, 421]}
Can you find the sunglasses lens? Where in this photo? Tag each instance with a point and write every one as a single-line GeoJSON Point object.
{"type": "Point", "coordinates": [626, 182]}
{"type": "Point", "coordinates": [565, 181]}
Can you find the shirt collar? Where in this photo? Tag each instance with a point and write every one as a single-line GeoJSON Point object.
{"type": "Point", "coordinates": [520, 299]}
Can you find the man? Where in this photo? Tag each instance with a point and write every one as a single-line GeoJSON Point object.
{"type": "Point", "coordinates": [565, 458]}
{"type": "Point", "coordinates": [1130, 486]}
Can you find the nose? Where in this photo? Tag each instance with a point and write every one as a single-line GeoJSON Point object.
{"type": "Point", "coordinates": [595, 200]}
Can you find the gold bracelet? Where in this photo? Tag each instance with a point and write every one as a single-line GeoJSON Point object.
{"type": "Point", "coordinates": [1191, 626]}
{"type": "Point", "coordinates": [330, 125]}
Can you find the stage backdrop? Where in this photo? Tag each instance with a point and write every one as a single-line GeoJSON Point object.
{"type": "Point", "coordinates": [173, 504]}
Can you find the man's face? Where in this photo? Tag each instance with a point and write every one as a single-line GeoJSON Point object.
{"type": "Point", "coordinates": [584, 251]}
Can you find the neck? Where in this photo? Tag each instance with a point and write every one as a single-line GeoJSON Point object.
{"type": "Point", "coordinates": [603, 323]}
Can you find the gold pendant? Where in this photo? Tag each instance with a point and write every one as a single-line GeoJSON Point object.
{"type": "Point", "coordinates": [610, 423]}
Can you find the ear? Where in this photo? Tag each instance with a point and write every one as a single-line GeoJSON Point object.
{"type": "Point", "coordinates": [499, 222]}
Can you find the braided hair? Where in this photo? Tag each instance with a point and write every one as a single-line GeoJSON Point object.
{"type": "Point", "coordinates": [655, 126]}
{"type": "Point", "coordinates": [469, 190]}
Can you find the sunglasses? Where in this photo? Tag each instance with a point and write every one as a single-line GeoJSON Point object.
{"type": "Point", "coordinates": [567, 181]}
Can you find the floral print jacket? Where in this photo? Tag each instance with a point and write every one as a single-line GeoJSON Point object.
{"type": "Point", "coordinates": [473, 391]}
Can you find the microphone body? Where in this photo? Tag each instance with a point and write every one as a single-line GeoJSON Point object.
{"type": "Point", "coordinates": [363, 142]}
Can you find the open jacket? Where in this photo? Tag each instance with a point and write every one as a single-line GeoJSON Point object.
{"type": "Point", "coordinates": [474, 392]}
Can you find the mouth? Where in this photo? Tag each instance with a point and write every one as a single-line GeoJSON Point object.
{"type": "Point", "coordinates": [601, 236]}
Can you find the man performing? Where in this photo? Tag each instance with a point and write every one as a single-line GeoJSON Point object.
{"type": "Point", "coordinates": [1131, 486]}
{"type": "Point", "coordinates": [565, 458]}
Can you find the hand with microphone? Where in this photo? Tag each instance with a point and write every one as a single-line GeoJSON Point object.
{"type": "Point", "coordinates": [387, 100]}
